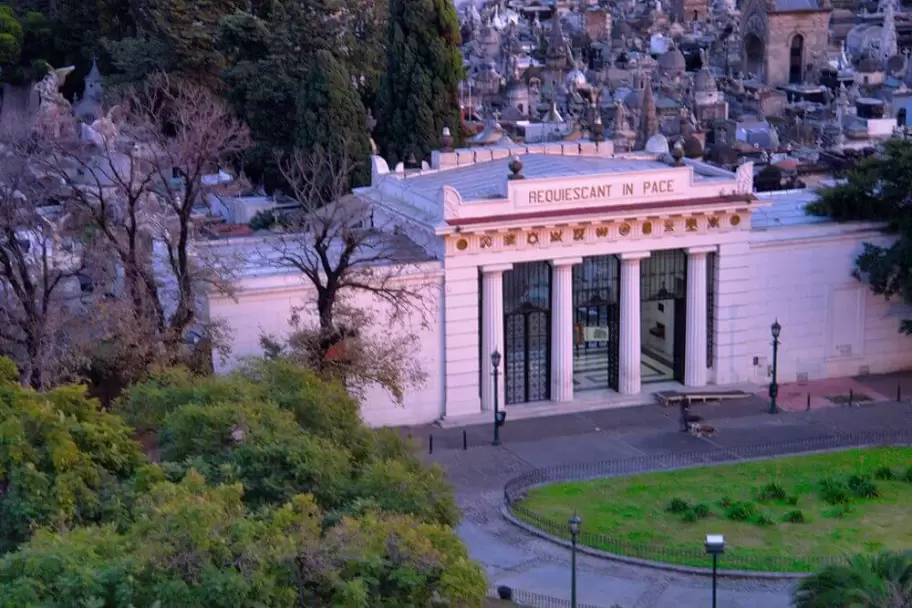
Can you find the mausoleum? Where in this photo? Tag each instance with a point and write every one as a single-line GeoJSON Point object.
{"type": "Point", "coordinates": [603, 277]}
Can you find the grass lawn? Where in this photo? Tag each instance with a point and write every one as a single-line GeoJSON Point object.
{"type": "Point", "coordinates": [630, 515]}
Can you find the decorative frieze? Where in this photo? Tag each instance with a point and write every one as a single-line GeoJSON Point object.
{"type": "Point", "coordinates": [540, 237]}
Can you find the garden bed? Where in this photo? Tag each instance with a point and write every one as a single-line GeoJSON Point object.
{"type": "Point", "coordinates": [783, 514]}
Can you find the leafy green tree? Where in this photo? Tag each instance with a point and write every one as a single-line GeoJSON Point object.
{"type": "Point", "coordinates": [291, 90]}
{"type": "Point", "coordinates": [879, 190]}
{"type": "Point", "coordinates": [419, 92]}
{"type": "Point", "coordinates": [195, 545]}
{"type": "Point", "coordinates": [869, 581]}
{"type": "Point", "coordinates": [61, 459]}
{"type": "Point", "coordinates": [11, 36]}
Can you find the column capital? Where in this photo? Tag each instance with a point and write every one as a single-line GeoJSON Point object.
{"type": "Point", "coordinates": [566, 262]}
{"type": "Point", "coordinates": [704, 249]}
{"type": "Point", "coordinates": [634, 255]}
{"type": "Point", "coordinates": [496, 268]}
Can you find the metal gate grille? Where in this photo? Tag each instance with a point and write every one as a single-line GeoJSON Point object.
{"type": "Point", "coordinates": [527, 333]}
{"type": "Point", "coordinates": [710, 308]}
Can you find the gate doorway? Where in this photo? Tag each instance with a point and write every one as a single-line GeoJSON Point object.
{"type": "Point", "coordinates": [663, 315]}
{"type": "Point", "coordinates": [796, 59]}
{"type": "Point", "coordinates": [753, 55]}
{"type": "Point", "coordinates": [527, 333]}
{"type": "Point", "coordinates": [596, 323]}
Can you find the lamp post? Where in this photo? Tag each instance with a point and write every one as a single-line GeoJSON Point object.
{"type": "Point", "coordinates": [495, 361]}
{"type": "Point", "coordinates": [775, 328]}
{"type": "Point", "coordinates": [715, 546]}
{"type": "Point", "coordinates": [574, 525]}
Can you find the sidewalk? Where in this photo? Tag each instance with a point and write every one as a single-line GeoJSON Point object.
{"type": "Point", "coordinates": [792, 398]}
{"type": "Point", "coordinates": [513, 557]}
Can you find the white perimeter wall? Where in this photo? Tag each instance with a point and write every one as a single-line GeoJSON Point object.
{"type": "Point", "coordinates": [264, 305]}
{"type": "Point", "coordinates": [832, 325]}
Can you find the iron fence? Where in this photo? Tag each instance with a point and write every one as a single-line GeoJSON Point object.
{"type": "Point", "coordinates": [516, 489]}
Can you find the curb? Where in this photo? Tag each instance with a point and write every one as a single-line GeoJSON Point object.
{"type": "Point", "coordinates": [636, 561]}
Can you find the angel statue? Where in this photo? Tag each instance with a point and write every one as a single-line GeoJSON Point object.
{"type": "Point", "coordinates": [53, 107]}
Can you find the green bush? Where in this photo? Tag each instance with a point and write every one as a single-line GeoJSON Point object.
{"type": "Point", "coordinates": [741, 511]}
{"type": "Point", "coordinates": [762, 519]}
{"type": "Point", "coordinates": [725, 502]}
{"type": "Point", "coordinates": [885, 474]}
{"type": "Point", "coordinates": [863, 487]}
{"type": "Point", "coordinates": [678, 506]}
{"type": "Point", "coordinates": [791, 501]}
{"type": "Point", "coordinates": [690, 516]}
{"type": "Point", "coordinates": [701, 510]}
{"type": "Point", "coordinates": [839, 511]}
{"type": "Point", "coordinates": [835, 492]}
{"type": "Point", "coordinates": [772, 491]}
{"type": "Point", "coordinates": [907, 476]}
{"type": "Point", "coordinates": [794, 517]}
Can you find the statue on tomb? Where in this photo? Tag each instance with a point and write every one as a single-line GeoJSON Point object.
{"type": "Point", "coordinates": [54, 111]}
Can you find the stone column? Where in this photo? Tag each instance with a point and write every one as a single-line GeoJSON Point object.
{"type": "Point", "coordinates": [630, 352]}
{"type": "Point", "coordinates": [695, 332]}
{"type": "Point", "coordinates": [492, 332]}
{"type": "Point", "coordinates": [562, 328]}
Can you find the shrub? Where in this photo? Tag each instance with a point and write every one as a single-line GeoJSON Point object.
{"type": "Point", "coordinates": [863, 487]}
{"type": "Point", "coordinates": [884, 473]}
{"type": "Point", "coordinates": [262, 220]}
{"type": "Point", "coordinates": [834, 492]}
{"type": "Point", "coordinates": [741, 511]}
{"type": "Point", "coordinates": [701, 510]}
{"type": "Point", "coordinates": [725, 502]}
{"type": "Point", "coordinates": [772, 491]}
{"type": "Point", "coordinates": [839, 511]}
{"type": "Point", "coordinates": [690, 516]}
{"type": "Point", "coordinates": [794, 517]}
{"type": "Point", "coordinates": [678, 506]}
{"type": "Point", "coordinates": [791, 501]}
{"type": "Point", "coordinates": [762, 519]}
{"type": "Point", "coordinates": [907, 476]}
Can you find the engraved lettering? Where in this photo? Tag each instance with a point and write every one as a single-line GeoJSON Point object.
{"type": "Point", "coordinates": [628, 189]}
{"type": "Point", "coordinates": [595, 192]}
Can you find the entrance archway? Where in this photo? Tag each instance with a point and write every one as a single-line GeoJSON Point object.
{"type": "Point", "coordinates": [527, 333]}
{"type": "Point", "coordinates": [596, 323]}
{"type": "Point", "coordinates": [796, 59]}
{"type": "Point", "coordinates": [901, 117]}
{"type": "Point", "coordinates": [663, 314]}
{"type": "Point", "coordinates": [753, 54]}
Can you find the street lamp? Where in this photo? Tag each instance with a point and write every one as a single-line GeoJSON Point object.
{"type": "Point", "coordinates": [715, 546]}
{"type": "Point", "coordinates": [574, 525]}
{"type": "Point", "coordinates": [499, 417]}
{"type": "Point", "coordinates": [775, 328]}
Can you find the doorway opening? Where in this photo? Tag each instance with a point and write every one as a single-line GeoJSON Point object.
{"type": "Point", "coordinates": [596, 323]}
{"type": "Point", "coordinates": [753, 55]}
{"type": "Point", "coordinates": [663, 315]}
{"type": "Point", "coordinates": [796, 54]}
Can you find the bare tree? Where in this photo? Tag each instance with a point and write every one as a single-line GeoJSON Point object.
{"type": "Point", "coordinates": [140, 175]}
{"type": "Point", "coordinates": [332, 238]}
{"type": "Point", "coordinates": [41, 257]}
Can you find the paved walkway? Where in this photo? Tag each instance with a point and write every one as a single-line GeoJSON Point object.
{"type": "Point", "coordinates": [513, 557]}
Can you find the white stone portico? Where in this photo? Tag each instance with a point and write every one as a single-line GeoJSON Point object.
{"type": "Point", "coordinates": [572, 202]}
{"type": "Point", "coordinates": [601, 278]}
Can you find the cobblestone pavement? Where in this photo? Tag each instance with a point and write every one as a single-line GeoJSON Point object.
{"type": "Point", "coordinates": [516, 558]}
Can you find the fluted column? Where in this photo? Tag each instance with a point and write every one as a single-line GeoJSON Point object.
{"type": "Point", "coordinates": [562, 328]}
{"type": "Point", "coordinates": [629, 378]}
{"type": "Point", "coordinates": [695, 332]}
{"type": "Point", "coordinates": [492, 332]}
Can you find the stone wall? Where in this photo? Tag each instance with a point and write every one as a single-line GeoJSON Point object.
{"type": "Point", "coordinates": [814, 26]}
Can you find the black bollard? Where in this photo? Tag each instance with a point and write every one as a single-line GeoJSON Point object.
{"type": "Point", "coordinates": [431, 444]}
{"type": "Point", "coordinates": [465, 441]}
{"type": "Point", "coordinates": [851, 397]}
{"type": "Point", "coordinates": [899, 392]}
{"type": "Point", "coordinates": [685, 426]}
{"type": "Point", "coordinates": [808, 403]}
